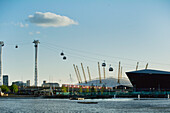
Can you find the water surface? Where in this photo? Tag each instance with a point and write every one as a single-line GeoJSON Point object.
{"type": "Point", "coordinates": [71, 106]}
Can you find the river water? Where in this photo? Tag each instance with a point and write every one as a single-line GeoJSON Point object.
{"type": "Point", "coordinates": [71, 106]}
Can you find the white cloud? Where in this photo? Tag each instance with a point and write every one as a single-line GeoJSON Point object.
{"type": "Point", "coordinates": [26, 25]}
{"type": "Point", "coordinates": [34, 33]}
{"type": "Point", "coordinates": [49, 19]}
{"type": "Point", "coordinates": [20, 24]}
{"type": "Point", "coordinates": [38, 32]}
{"type": "Point", "coordinates": [31, 33]}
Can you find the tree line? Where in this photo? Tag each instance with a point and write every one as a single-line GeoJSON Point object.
{"type": "Point", "coordinates": [11, 89]}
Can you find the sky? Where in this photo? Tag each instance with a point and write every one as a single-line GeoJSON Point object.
{"type": "Point", "coordinates": [87, 32]}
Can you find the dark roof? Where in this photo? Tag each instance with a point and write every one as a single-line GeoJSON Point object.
{"type": "Point", "coordinates": [51, 83]}
{"type": "Point", "coordinates": [150, 71]}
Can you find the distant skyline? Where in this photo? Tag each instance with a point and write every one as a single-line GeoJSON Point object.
{"type": "Point", "coordinates": [86, 31]}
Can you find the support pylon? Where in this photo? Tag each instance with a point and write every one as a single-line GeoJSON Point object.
{"type": "Point", "coordinates": [36, 42]}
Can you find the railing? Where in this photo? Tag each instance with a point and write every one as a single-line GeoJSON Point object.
{"type": "Point", "coordinates": [113, 93]}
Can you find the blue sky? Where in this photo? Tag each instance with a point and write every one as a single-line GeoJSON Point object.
{"type": "Point", "coordinates": [111, 30]}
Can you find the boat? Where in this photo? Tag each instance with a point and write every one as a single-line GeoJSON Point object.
{"type": "Point", "coordinates": [88, 102]}
{"type": "Point", "coordinates": [76, 98]}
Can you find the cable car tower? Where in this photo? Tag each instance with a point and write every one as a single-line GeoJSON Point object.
{"type": "Point", "coordinates": [1, 45]}
{"type": "Point", "coordinates": [36, 42]}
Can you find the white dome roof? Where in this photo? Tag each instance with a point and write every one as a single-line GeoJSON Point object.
{"type": "Point", "coordinates": [108, 82]}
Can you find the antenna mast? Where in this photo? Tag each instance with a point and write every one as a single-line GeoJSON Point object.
{"type": "Point", "coordinates": [1, 45]}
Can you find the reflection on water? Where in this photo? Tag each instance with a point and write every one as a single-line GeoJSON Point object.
{"type": "Point", "coordinates": [118, 105]}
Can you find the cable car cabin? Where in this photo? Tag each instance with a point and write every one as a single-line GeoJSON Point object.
{"type": "Point", "coordinates": [110, 69]}
{"type": "Point", "coordinates": [64, 58]}
{"type": "Point", "coordinates": [62, 54]}
{"type": "Point", "coordinates": [103, 64]}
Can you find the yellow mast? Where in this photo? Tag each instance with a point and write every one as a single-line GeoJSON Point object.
{"type": "Point", "coordinates": [76, 73]}
{"type": "Point", "coordinates": [146, 66]}
{"type": "Point", "coordinates": [119, 73]}
{"type": "Point", "coordinates": [104, 72]}
{"type": "Point", "coordinates": [83, 73]}
{"type": "Point", "coordinates": [137, 66]}
{"type": "Point", "coordinates": [89, 73]}
{"type": "Point", "coordinates": [99, 73]}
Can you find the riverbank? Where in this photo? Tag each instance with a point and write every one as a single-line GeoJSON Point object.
{"type": "Point", "coordinates": [104, 95]}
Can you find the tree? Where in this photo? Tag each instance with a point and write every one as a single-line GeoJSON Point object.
{"type": "Point", "coordinates": [87, 90]}
{"type": "Point", "coordinates": [64, 89]}
{"type": "Point", "coordinates": [80, 89]}
{"type": "Point", "coordinates": [4, 88]}
{"type": "Point", "coordinates": [103, 89]}
{"type": "Point", "coordinates": [14, 88]}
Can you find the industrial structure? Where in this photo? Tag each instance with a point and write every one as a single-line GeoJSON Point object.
{"type": "Point", "coordinates": [150, 80]}
{"type": "Point", "coordinates": [1, 45]}
{"type": "Point", "coordinates": [36, 42]}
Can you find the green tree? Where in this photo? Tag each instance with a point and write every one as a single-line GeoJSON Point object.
{"type": "Point", "coordinates": [80, 89]}
{"type": "Point", "coordinates": [4, 88]}
{"type": "Point", "coordinates": [64, 89]}
{"type": "Point", "coordinates": [102, 90]}
{"type": "Point", "coordinates": [14, 88]}
{"type": "Point", "coordinates": [95, 90]}
{"type": "Point", "coordinates": [87, 90]}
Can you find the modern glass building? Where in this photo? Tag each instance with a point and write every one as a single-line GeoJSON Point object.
{"type": "Point", "coordinates": [150, 80]}
{"type": "Point", "coordinates": [5, 80]}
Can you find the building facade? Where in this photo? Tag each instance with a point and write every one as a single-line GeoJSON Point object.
{"type": "Point", "coordinates": [5, 80]}
{"type": "Point", "coordinates": [19, 83]}
{"type": "Point", "coordinates": [150, 80]}
{"type": "Point", "coordinates": [28, 82]}
{"type": "Point", "coordinates": [49, 84]}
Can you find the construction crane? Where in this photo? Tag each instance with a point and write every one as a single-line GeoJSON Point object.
{"type": "Point", "coordinates": [118, 81]}
{"type": "Point", "coordinates": [146, 66]}
{"type": "Point", "coordinates": [79, 74]}
{"type": "Point", "coordinates": [137, 66]}
{"type": "Point", "coordinates": [89, 73]}
{"type": "Point", "coordinates": [99, 73]}
{"type": "Point", "coordinates": [76, 73]}
{"type": "Point", "coordinates": [84, 73]}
